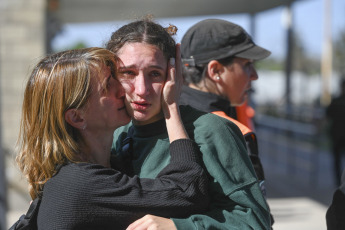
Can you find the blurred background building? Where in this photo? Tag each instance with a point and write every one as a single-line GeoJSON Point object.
{"type": "Point", "coordinates": [295, 84]}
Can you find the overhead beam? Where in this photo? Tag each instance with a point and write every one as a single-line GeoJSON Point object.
{"type": "Point", "coordinates": [82, 11]}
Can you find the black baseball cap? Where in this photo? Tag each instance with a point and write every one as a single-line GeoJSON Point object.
{"type": "Point", "coordinates": [214, 39]}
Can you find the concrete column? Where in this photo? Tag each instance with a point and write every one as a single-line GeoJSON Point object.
{"type": "Point", "coordinates": [22, 44]}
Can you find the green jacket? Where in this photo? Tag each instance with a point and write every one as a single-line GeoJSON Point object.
{"type": "Point", "coordinates": [236, 201]}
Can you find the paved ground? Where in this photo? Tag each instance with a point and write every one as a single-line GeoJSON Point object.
{"type": "Point", "coordinates": [298, 213]}
{"type": "Point", "coordinates": [299, 183]}
{"type": "Point", "coordinates": [295, 203]}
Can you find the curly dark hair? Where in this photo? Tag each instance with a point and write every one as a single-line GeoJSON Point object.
{"type": "Point", "coordinates": [144, 31]}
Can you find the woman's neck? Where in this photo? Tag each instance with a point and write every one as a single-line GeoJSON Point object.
{"type": "Point", "coordinates": [206, 85]}
{"type": "Point", "coordinates": [153, 119]}
{"type": "Point", "coordinates": [96, 148]}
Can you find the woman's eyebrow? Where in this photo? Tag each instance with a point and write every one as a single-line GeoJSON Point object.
{"type": "Point", "coordinates": [134, 66]}
{"type": "Point", "coordinates": [157, 67]}
{"type": "Point", "coordinates": [126, 67]}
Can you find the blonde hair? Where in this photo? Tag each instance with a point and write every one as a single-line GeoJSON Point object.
{"type": "Point", "coordinates": [58, 82]}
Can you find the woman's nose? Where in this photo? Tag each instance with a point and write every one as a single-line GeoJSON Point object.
{"type": "Point", "coordinates": [254, 75]}
{"type": "Point", "coordinates": [141, 85]}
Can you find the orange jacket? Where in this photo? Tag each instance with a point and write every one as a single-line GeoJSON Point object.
{"type": "Point", "coordinates": [245, 114]}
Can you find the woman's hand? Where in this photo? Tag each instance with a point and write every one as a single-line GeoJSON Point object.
{"type": "Point", "coordinates": [173, 84]}
{"type": "Point", "coordinates": [170, 96]}
{"type": "Point", "coordinates": [150, 222]}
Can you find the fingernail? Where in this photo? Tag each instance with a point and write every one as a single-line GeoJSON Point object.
{"type": "Point", "coordinates": [172, 61]}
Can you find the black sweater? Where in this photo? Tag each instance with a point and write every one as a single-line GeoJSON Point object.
{"type": "Point", "coordinates": [90, 196]}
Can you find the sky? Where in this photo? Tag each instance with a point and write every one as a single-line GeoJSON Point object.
{"type": "Point", "coordinates": [270, 31]}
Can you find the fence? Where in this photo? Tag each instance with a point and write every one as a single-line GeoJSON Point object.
{"type": "Point", "coordinates": [293, 146]}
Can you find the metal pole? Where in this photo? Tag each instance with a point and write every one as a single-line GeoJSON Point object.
{"type": "Point", "coordinates": [326, 62]}
{"type": "Point", "coordinates": [289, 53]}
{"type": "Point", "coordinates": [252, 25]}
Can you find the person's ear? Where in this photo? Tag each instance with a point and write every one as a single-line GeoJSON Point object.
{"type": "Point", "coordinates": [214, 70]}
{"type": "Point", "coordinates": [75, 118]}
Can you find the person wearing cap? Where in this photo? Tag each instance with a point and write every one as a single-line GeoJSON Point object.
{"type": "Point", "coordinates": [218, 58]}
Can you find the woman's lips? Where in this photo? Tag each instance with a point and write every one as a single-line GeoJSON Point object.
{"type": "Point", "coordinates": [140, 105]}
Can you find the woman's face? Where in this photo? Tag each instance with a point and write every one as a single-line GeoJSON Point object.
{"type": "Point", "coordinates": [106, 109]}
{"type": "Point", "coordinates": [142, 73]}
{"type": "Point", "coordinates": [237, 80]}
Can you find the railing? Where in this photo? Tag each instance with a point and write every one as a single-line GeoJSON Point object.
{"type": "Point", "coordinates": [293, 145]}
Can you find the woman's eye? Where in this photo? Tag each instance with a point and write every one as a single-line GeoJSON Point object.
{"type": "Point", "coordinates": [156, 75]}
{"type": "Point", "coordinates": [129, 72]}
{"type": "Point", "coordinates": [126, 74]}
{"type": "Point", "coordinates": [248, 65]}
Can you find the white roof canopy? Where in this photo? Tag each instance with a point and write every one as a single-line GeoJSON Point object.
{"type": "Point", "coordinates": [80, 11]}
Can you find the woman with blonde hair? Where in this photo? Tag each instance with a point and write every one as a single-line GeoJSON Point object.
{"type": "Point", "coordinates": [72, 104]}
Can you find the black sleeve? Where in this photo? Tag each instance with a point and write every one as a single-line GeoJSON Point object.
{"type": "Point", "coordinates": [336, 212]}
{"type": "Point", "coordinates": [179, 189]}
{"type": "Point", "coordinates": [98, 197]}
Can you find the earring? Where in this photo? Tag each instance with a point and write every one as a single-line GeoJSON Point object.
{"type": "Point", "coordinates": [217, 78]}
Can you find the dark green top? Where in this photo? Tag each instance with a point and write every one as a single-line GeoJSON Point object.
{"type": "Point", "coordinates": [235, 196]}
